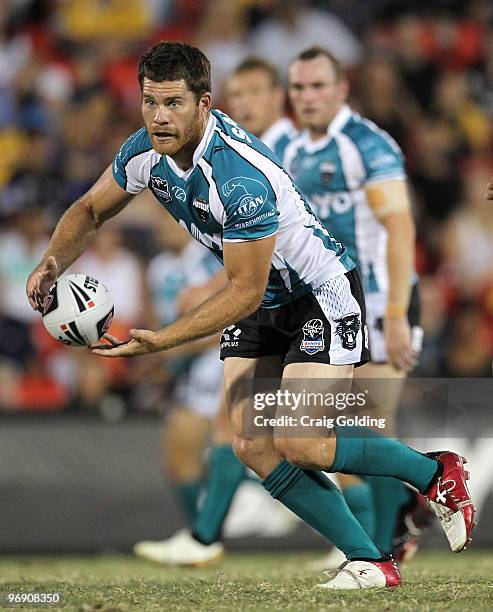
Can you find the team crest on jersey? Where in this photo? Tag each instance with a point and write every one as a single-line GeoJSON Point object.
{"type": "Point", "coordinates": [251, 195]}
{"type": "Point", "coordinates": [313, 337]}
{"type": "Point", "coordinates": [347, 329]}
{"type": "Point", "coordinates": [327, 171]}
{"type": "Point", "coordinates": [159, 187]}
{"type": "Point", "coordinates": [203, 209]}
{"type": "Point", "coordinates": [179, 193]}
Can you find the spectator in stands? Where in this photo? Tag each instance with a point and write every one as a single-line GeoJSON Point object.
{"type": "Point", "coordinates": [294, 26]}
{"type": "Point", "coordinates": [222, 35]}
{"type": "Point", "coordinates": [469, 233]}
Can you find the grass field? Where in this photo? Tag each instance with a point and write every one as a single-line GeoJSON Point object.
{"type": "Point", "coordinates": [434, 581]}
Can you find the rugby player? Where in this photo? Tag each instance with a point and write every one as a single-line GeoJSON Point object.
{"type": "Point", "coordinates": [255, 98]}
{"type": "Point", "coordinates": [290, 285]}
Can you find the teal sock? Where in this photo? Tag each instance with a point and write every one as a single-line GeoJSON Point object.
{"type": "Point", "coordinates": [360, 450]}
{"type": "Point", "coordinates": [389, 495]}
{"type": "Point", "coordinates": [224, 477]}
{"type": "Point", "coordinates": [360, 501]}
{"type": "Point", "coordinates": [188, 494]}
{"type": "Point", "coordinates": [316, 500]}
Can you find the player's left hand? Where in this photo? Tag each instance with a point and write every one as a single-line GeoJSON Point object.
{"type": "Point", "coordinates": [398, 342]}
{"type": "Point", "coordinates": [141, 342]}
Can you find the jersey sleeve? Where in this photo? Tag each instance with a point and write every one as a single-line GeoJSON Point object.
{"type": "Point", "coordinates": [382, 158]}
{"type": "Point", "coordinates": [133, 162]}
{"type": "Point", "coordinates": [250, 207]}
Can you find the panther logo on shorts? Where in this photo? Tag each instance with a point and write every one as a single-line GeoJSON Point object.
{"type": "Point", "coordinates": [347, 329]}
{"type": "Point", "coordinates": [313, 337]}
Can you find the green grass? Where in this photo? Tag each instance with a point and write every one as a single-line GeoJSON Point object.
{"type": "Point", "coordinates": [434, 581]}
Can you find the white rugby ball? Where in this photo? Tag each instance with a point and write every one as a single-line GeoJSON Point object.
{"type": "Point", "coordinates": [78, 310]}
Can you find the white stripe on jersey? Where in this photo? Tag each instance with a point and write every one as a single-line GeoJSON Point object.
{"type": "Point", "coordinates": [351, 160]}
{"type": "Point", "coordinates": [215, 203]}
{"type": "Point", "coordinates": [282, 127]}
{"type": "Point", "coordinates": [371, 240]}
{"type": "Point", "coordinates": [291, 150]}
{"type": "Point", "coordinates": [140, 166]}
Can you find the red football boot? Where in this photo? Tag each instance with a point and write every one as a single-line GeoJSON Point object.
{"type": "Point", "coordinates": [449, 498]}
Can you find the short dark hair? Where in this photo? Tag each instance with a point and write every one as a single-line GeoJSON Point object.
{"type": "Point", "coordinates": [176, 61]}
{"type": "Point", "coordinates": [259, 63]}
{"type": "Point", "coordinates": [317, 51]}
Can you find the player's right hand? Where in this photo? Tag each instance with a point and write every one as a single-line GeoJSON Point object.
{"type": "Point", "coordinates": [39, 282]}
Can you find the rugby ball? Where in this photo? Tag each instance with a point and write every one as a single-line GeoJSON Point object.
{"type": "Point", "coordinates": [78, 310]}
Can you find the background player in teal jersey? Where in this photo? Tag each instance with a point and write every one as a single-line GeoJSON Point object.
{"type": "Point", "coordinates": [292, 309]}
{"type": "Point", "coordinates": [353, 175]}
{"type": "Point", "coordinates": [196, 366]}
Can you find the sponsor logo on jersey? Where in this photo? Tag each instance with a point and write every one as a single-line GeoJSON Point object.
{"type": "Point", "coordinates": [382, 161]}
{"type": "Point", "coordinates": [313, 337]}
{"type": "Point", "coordinates": [251, 195]}
{"type": "Point", "coordinates": [307, 163]}
{"type": "Point", "coordinates": [327, 171]}
{"type": "Point", "coordinates": [338, 203]}
{"type": "Point", "coordinates": [179, 193]}
{"type": "Point", "coordinates": [347, 329]}
{"type": "Point", "coordinates": [255, 220]}
{"type": "Point", "coordinates": [230, 337]}
{"type": "Point", "coordinates": [159, 187]}
{"type": "Point", "coordinates": [203, 209]}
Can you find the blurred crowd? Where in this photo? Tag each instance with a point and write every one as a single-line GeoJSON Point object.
{"type": "Point", "coordinates": [69, 97]}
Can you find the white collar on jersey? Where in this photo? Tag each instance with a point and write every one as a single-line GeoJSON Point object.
{"type": "Point", "coordinates": [334, 127]}
{"type": "Point", "coordinates": [277, 129]}
{"type": "Point", "coordinates": [199, 151]}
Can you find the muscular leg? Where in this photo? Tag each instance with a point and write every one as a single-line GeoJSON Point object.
{"type": "Point", "coordinates": [354, 450]}
{"type": "Point", "coordinates": [184, 439]}
{"type": "Point", "coordinates": [257, 452]}
{"type": "Point", "coordinates": [309, 494]}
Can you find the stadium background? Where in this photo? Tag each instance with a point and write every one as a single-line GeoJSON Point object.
{"type": "Point", "coordinates": [79, 437]}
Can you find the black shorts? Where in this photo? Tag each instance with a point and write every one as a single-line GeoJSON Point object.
{"type": "Point", "coordinates": [327, 325]}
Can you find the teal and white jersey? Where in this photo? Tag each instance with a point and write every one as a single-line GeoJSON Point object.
{"type": "Point", "coordinates": [332, 173]}
{"type": "Point", "coordinates": [279, 135]}
{"type": "Point", "coordinates": [236, 191]}
{"type": "Point", "coordinates": [169, 274]}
